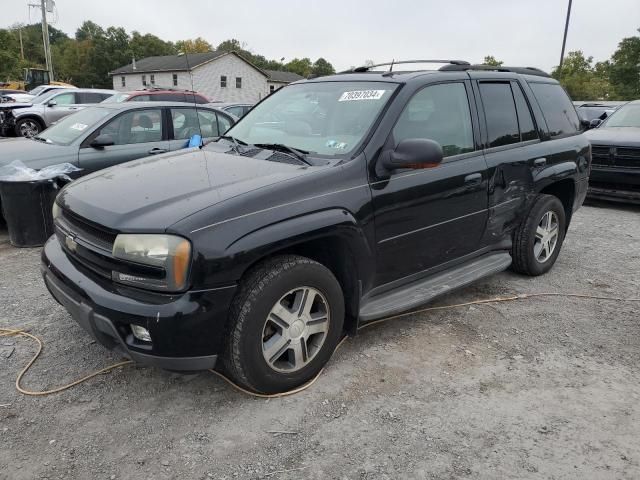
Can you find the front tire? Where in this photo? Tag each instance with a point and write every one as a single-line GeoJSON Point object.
{"type": "Point", "coordinates": [28, 127]}
{"type": "Point", "coordinates": [284, 324]}
{"type": "Point", "coordinates": [538, 239]}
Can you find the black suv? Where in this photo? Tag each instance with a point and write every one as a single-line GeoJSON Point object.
{"type": "Point", "coordinates": [335, 201]}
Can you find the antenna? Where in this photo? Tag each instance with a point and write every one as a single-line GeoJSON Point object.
{"type": "Point", "coordinates": [391, 65]}
{"type": "Point", "coordinates": [193, 92]}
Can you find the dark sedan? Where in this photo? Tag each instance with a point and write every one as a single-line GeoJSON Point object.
{"type": "Point", "coordinates": [112, 133]}
{"type": "Point", "coordinates": [615, 143]}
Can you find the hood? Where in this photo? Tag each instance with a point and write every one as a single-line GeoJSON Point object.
{"type": "Point", "coordinates": [12, 105]}
{"type": "Point", "coordinates": [36, 154]}
{"type": "Point", "coordinates": [615, 136]}
{"type": "Point", "coordinates": [153, 193]}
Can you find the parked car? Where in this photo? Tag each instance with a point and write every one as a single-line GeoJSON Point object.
{"type": "Point", "coordinates": [108, 134]}
{"type": "Point", "coordinates": [9, 95]}
{"type": "Point", "coordinates": [39, 90]}
{"type": "Point", "coordinates": [158, 95]}
{"type": "Point", "coordinates": [263, 248]}
{"type": "Point", "coordinates": [239, 110]}
{"type": "Point", "coordinates": [615, 143]}
{"type": "Point", "coordinates": [596, 110]}
{"type": "Point", "coordinates": [29, 119]}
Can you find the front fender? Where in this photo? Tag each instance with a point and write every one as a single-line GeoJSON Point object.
{"type": "Point", "coordinates": [231, 262]}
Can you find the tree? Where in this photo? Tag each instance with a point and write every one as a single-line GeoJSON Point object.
{"type": "Point", "coordinates": [197, 45]}
{"type": "Point", "coordinates": [581, 79]}
{"type": "Point", "coordinates": [322, 67]}
{"type": "Point", "coordinates": [491, 61]}
{"type": "Point", "coordinates": [625, 69]}
{"type": "Point", "coordinates": [301, 66]}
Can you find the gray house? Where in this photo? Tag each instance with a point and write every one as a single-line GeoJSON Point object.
{"type": "Point", "coordinates": [221, 76]}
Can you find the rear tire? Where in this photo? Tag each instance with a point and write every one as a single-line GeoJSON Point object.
{"type": "Point", "coordinates": [284, 324]}
{"type": "Point", "coordinates": [538, 239]}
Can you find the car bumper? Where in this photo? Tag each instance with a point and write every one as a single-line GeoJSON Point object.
{"type": "Point", "coordinates": [617, 184]}
{"type": "Point", "coordinates": [187, 330]}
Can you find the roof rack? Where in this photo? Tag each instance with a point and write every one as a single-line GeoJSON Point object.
{"type": "Point", "coordinates": [522, 70]}
{"type": "Point", "coordinates": [169, 89]}
{"type": "Point", "coordinates": [366, 68]}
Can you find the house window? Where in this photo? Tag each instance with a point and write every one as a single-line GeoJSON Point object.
{"type": "Point", "coordinates": [175, 79]}
{"type": "Point", "coordinates": [272, 88]}
{"type": "Point", "coordinates": [153, 79]}
{"type": "Point", "coordinates": [223, 81]}
{"type": "Point", "coordinates": [144, 80]}
{"type": "Point", "coordinates": [123, 81]}
{"type": "Point", "coordinates": [238, 82]}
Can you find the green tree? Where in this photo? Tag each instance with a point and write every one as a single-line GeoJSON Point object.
{"type": "Point", "coordinates": [322, 67]}
{"type": "Point", "coordinates": [301, 66]}
{"type": "Point", "coordinates": [491, 61]}
{"type": "Point", "coordinates": [583, 80]}
{"type": "Point", "coordinates": [196, 45]}
{"type": "Point", "coordinates": [624, 70]}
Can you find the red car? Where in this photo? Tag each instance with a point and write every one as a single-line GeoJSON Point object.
{"type": "Point", "coordinates": [158, 95]}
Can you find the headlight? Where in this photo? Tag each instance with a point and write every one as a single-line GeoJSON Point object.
{"type": "Point", "coordinates": [167, 256]}
{"type": "Point", "coordinates": [55, 211]}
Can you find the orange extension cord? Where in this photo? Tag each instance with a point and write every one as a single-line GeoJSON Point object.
{"type": "Point", "coordinates": [18, 332]}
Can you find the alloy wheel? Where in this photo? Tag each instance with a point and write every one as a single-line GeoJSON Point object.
{"type": "Point", "coordinates": [546, 237]}
{"type": "Point", "coordinates": [295, 329]}
{"type": "Point", "coordinates": [29, 128]}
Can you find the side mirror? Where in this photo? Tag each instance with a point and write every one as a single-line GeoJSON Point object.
{"type": "Point", "coordinates": [414, 153]}
{"type": "Point", "coordinates": [102, 140]}
{"type": "Point", "coordinates": [51, 103]}
{"type": "Point", "coordinates": [595, 123]}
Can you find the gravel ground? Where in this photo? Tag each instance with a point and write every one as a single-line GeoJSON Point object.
{"type": "Point", "coordinates": [546, 388]}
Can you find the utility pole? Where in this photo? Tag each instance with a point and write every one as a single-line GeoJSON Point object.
{"type": "Point", "coordinates": [564, 40]}
{"type": "Point", "coordinates": [45, 38]}
{"type": "Point", "coordinates": [21, 45]}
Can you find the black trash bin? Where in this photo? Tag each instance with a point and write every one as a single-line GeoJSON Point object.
{"type": "Point", "coordinates": [26, 207]}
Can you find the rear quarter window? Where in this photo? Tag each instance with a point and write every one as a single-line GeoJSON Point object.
{"type": "Point", "coordinates": [557, 109]}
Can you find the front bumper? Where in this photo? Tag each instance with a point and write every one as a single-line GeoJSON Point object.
{"type": "Point", "coordinates": [187, 330]}
{"type": "Point", "coordinates": [614, 183]}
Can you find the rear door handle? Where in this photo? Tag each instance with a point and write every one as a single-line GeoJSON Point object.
{"type": "Point", "coordinates": [540, 162]}
{"type": "Point", "coordinates": [473, 179]}
{"type": "Point", "coordinates": [155, 151]}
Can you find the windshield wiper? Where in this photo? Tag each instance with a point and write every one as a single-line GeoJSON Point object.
{"type": "Point", "coordinates": [40, 139]}
{"type": "Point", "coordinates": [299, 154]}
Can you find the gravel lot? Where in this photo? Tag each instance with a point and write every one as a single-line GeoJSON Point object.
{"type": "Point", "coordinates": [544, 388]}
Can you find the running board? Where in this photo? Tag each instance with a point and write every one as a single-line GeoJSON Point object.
{"type": "Point", "coordinates": [420, 292]}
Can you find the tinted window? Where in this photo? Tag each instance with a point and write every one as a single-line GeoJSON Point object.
{"type": "Point", "coordinates": [500, 114]}
{"type": "Point", "coordinates": [557, 109]}
{"type": "Point", "coordinates": [140, 98]}
{"type": "Point", "coordinates": [169, 97]}
{"type": "Point", "coordinates": [140, 126]}
{"type": "Point", "coordinates": [440, 113]}
{"type": "Point", "coordinates": [92, 97]}
{"type": "Point", "coordinates": [525, 120]}
{"type": "Point", "coordinates": [67, 98]}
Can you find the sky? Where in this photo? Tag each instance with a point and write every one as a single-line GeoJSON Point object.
{"type": "Point", "coordinates": [346, 33]}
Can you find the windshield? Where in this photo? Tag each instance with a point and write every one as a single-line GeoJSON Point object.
{"type": "Point", "coordinates": [325, 118]}
{"type": "Point", "coordinates": [626, 116]}
{"type": "Point", "coordinates": [37, 90]}
{"type": "Point", "coordinates": [43, 97]}
{"type": "Point", "coordinates": [70, 128]}
{"type": "Point", "coordinates": [117, 98]}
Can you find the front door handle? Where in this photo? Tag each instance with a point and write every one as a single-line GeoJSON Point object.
{"type": "Point", "coordinates": [539, 162]}
{"type": "Point", "coordinates": [155, 151]}
{"type": "Point", "coordinates": [473, 179]}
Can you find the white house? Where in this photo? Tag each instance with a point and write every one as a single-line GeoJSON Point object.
{"type": "Point", "coordinates": [221, 76]}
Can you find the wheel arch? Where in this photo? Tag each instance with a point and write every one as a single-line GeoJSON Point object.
{"type": "Point", "coordinates": [565, 191]}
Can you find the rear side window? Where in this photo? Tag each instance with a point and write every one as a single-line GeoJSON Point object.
{"type": "Point", "coordinates": [558, 111]}
{"type": "Point", "coordinates": [92, 97]}
{"type": "Point", "coordinates": [500, 114]}
{"type": "Point", "coordinates": [441, 113]}
{"type": "Point", "coordinates": [139, 98]}
{"type": "Point", "coordinates": [525, 120]}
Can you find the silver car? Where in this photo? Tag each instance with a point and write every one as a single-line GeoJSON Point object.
{"type": "Point", "coordinates": [111, 133]}
{"type": "Point", "coordinates": [29, 119]}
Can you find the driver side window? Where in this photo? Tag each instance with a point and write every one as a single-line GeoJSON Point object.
{"type": "Point", "coordinates": [441, 113]}
{"type": "Point", "coordinates": [67, 98]}
{"type": "Point", "coordinates": [140, 126]}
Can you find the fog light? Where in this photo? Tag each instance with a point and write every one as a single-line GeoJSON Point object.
{"type": "Point", "coordinates": [141, 333]}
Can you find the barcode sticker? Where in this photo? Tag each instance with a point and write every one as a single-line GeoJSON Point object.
{"type": "Point", "coordinates": [361, 95]}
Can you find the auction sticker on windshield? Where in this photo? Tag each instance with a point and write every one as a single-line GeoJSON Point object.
{"type": "Point", "coordinates": [79, 126]}
{"type": "Point", "coordinates": [361, 95]}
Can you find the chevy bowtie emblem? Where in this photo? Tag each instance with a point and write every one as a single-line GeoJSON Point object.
{"type": "Point", "coordinates": [70, 243]}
